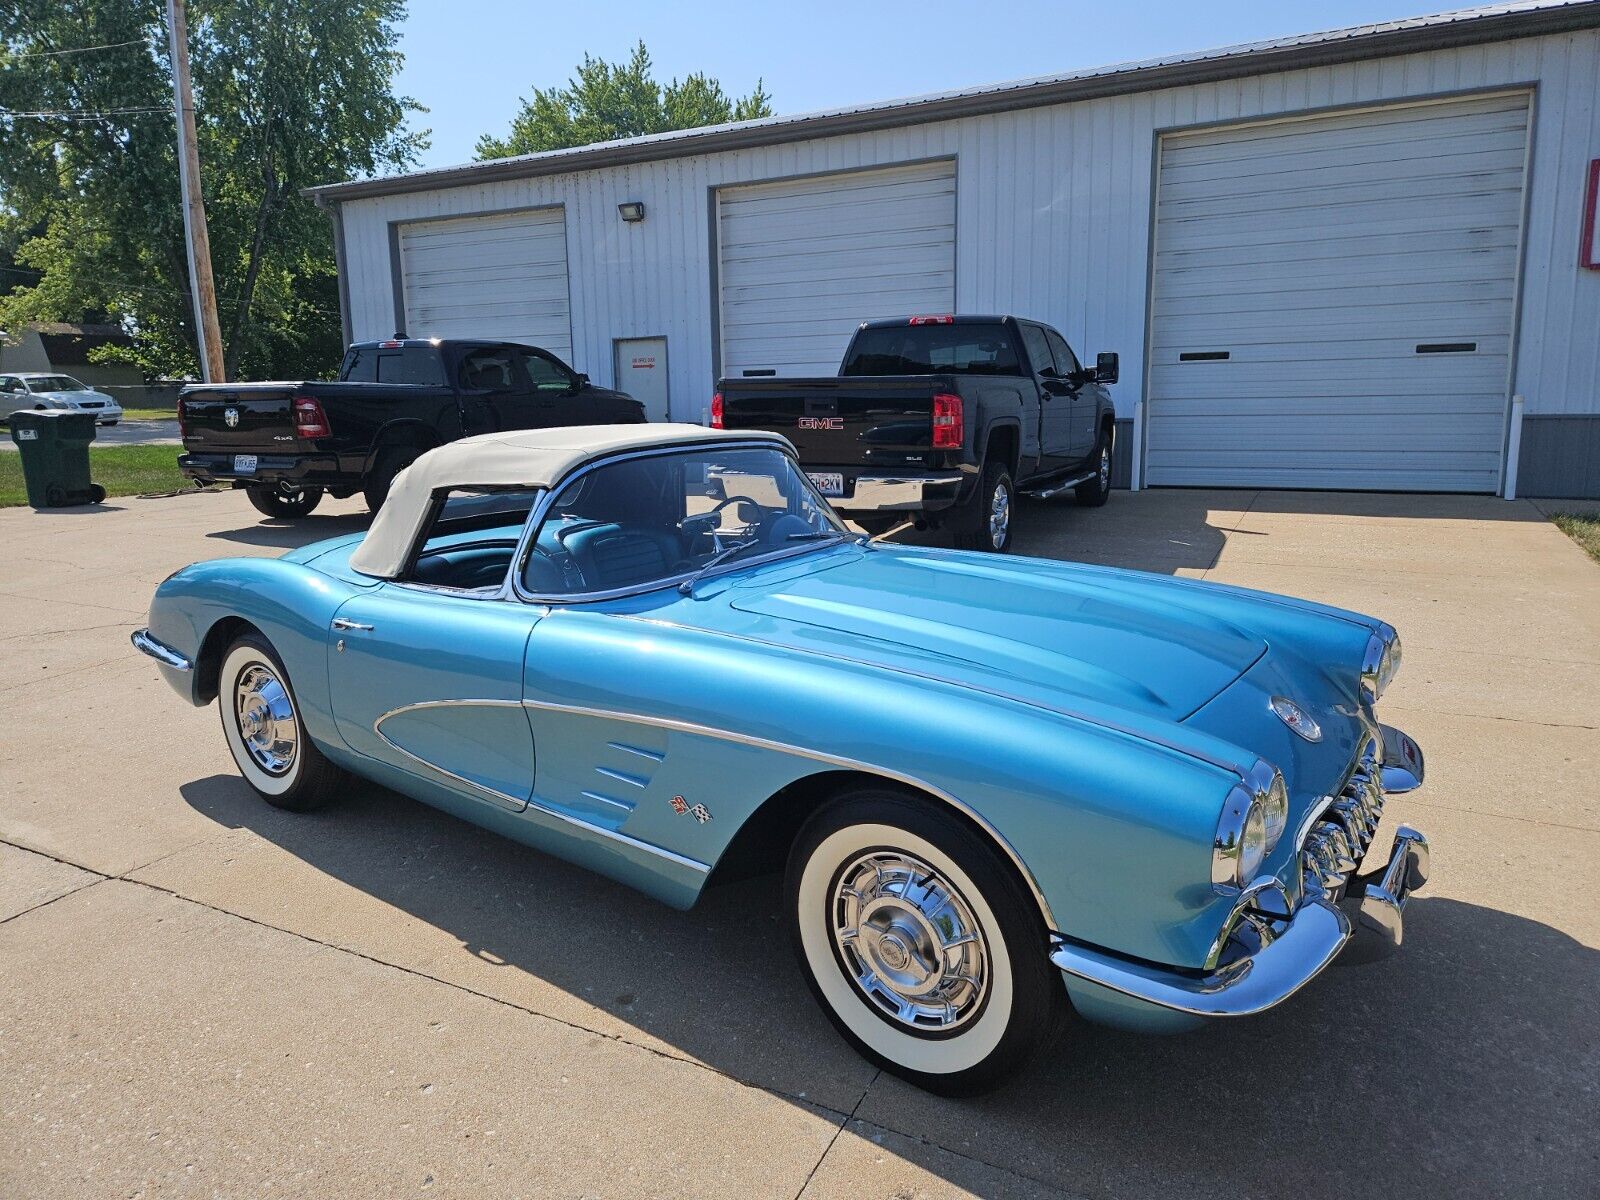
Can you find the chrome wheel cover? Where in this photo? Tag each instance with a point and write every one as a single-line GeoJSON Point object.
{"type": "Point", "coordinates": [999, 515]}
{"type": "Point", "coordinates": [265, 717]}
{"type": "Point", "coordinates": [909, 942]}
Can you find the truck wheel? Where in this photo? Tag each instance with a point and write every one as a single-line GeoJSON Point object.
{"type": "Point", "coordinates": [274, 502]}
{"type": "Point", "coordinates": [375, 487]}
{"type": "Point", "coordinates": [920, 943]}
{"type": "Point", "coordinates": [985, 521]}
{"type": "Point", "coordinates": [1098, 490]}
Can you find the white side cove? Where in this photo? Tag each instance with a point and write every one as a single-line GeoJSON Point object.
{"type": "Point", "coordinates": [1053, 215]}
{"type": "Point", "coordinates": [1333, 301]}
{"type": "Point", "coordinates": [802, 263]}
{"type": "Point", "coordinates": [493, 277]}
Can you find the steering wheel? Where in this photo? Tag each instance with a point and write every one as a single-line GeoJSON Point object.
{"type": "Point", "coordinates": [716, 511]}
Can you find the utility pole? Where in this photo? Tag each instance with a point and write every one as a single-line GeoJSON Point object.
{"type": "Point", "coordinates": [201, 285]}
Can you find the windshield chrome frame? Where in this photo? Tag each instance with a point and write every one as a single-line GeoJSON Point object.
{"type": "Point", "coordinates": [542, 507]}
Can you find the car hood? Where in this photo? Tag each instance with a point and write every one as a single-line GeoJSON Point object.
{"type": "Point", "coordinates": [1059, 632]}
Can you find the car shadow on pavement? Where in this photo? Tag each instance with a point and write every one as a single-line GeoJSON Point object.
{"type": "Point", "coordinates": [291, 535]}
{"type": "Point", "coordinates": [1466, 1063]}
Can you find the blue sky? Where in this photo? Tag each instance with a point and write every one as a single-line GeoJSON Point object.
{"type": "Point", "coordinates": [469, 61]}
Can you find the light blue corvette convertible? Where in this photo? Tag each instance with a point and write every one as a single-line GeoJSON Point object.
{"type": "Point", "coordinates": [996, 786]}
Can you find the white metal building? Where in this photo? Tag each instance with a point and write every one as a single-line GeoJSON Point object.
{"type": "Point", "coordinates": [1329, 261]}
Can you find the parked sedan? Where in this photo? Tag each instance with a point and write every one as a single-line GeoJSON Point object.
{"type": "Point", "coordinates": [35, 389]}
{"type": "Point", "coordinates": [997, 787]}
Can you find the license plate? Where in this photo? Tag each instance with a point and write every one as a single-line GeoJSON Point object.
{"type": "Point", "coordinates": [27, 435]}
{"type": "Point", "coordinates": [244, 464]}
{"type": "Point", "coordinates": [829, 483]}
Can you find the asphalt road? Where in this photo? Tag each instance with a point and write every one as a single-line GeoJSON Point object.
{"type": "Point", "coordinates": [202, 995]}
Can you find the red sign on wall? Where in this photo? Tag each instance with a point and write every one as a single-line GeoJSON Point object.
{"type": "Point", "coordinates": [1589, 249]}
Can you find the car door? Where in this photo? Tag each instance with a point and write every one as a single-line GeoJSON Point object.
{"type": "Point", "coordinates": [496, 393]}
{"type": "Point", "coordinates": [12, 393]}
{"type": "Point", "coordinates": [1055, 401]}
{"type": "Point", "coordinates": [555, 389]}
{"type": "Point", "coordinates": [425, 673]}
{"type": "Point", "coordinates": [1082, 400]}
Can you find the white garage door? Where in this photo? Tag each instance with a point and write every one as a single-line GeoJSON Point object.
{"type": "Point", "coordinates": [1334, 297]}
{"type": "Point", "coordinates": [803, 262]}
{"type": "Point", "coordinates": [502, 276]}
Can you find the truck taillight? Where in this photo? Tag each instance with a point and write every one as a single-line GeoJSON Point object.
{"type": "Point", "coordinates": [716, 412]}
{"type": "Point", "coordinates": [183, 419]}
{"type": "Point", "coordinates": [309, 419]}
{"type": "Point", "coordinates": [948, 427]}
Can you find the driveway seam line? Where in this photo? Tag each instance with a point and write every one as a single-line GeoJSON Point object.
{"type": "Point", "coordinates": [532, 1012]}
{"type": "Point", "coordinates": [1216, 559]}
{"type": "Point", "coordinates": [82, 887]}
{"type": "Point", "coordinates": [828, 1149]}
{"type": "Point", "coordinates": [1521, 820]}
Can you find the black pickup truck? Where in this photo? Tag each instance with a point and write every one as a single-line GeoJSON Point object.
{"type": "Point", "coordinates": [288, 443]}
{"type": "Point", "coordinates": [941, 420]}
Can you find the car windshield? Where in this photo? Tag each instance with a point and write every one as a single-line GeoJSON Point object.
{"type": "Point", "coordinates": [55, 383]}
{"type": "Point", "coordinates": [640, 522]}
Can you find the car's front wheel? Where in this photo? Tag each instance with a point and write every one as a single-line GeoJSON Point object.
{"type": "Point", "coordinates": [920, 942]}
{"type": "Point", "coordinates": [275, 502]}
{"type": "Point", "coordinates": [265, 731]}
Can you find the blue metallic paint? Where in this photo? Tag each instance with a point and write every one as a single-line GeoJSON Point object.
{"type": "Point", "coordinates": [1092, 719]}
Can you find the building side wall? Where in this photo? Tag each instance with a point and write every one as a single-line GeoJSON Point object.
{"type": "Point", "coordinates": [1053, 214]}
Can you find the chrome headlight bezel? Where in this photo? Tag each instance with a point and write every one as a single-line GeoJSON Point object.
{"type": "Point", "coordinates": [1254, 817]}
{"type": "Point", "coordinates": [1380, 663]}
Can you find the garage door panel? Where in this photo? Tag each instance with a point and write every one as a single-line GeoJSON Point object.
{"type": "Point", "coordinates": [499, 275]}
{"type": "Point", "coordinates": [803, 262]}
{"type": "Point", "coordinates": [1319, 254]}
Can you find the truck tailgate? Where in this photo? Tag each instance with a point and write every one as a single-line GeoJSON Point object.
{"type": "Point", "coordinates": [253, 418]}
{"type": "Point", "coordinates": [845, 422]}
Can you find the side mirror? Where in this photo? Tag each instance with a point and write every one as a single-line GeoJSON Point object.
{"type": "Point", "coordinates": [1105, 367]}
{"type": "Point", "coordinates": [582, 379]}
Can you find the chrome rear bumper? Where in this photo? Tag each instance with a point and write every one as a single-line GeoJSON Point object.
{"type": "Point", "coordinates": [893, 493]}
{"type": "Point", "coordinates": [1268, 950]}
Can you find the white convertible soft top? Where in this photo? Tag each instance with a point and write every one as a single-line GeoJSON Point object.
{"type": "Point", "coordinates": [519, 458]}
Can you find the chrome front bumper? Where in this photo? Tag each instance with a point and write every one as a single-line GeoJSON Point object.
{"type": "Point", "coordinates": [1267, 950]}
{"type": "Point", "coordinates": [158, 650]}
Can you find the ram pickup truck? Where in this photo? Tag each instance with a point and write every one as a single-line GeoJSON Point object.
{"type": "Point", "coordinates": [288, 443]}
{"type": "Point", "coordinates": [941, 420]}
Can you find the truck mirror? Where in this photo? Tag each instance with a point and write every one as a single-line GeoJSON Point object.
{"type": "Point", "coordinates": [1105, 367]}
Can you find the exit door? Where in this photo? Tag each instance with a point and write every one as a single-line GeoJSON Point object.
{"type": "Point", "coordinates": [641, 371]}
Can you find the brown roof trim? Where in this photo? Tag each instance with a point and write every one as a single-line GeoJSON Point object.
{"type": "Point", "coordinates": [1440, 32]}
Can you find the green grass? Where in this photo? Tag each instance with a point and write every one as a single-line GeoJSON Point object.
{"type": "Point", "coordinates": [1583, 528]}
{"type": "Point", "coordinates": [121, 470]}
{"type": "Point", "coordinates": [149, 414]}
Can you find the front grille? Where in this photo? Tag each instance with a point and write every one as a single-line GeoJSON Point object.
{"type": "Point", "coordinates": [1339, 837]}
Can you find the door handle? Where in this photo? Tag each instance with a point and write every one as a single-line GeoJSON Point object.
{"type": "Point", "coordinates": [346, 623]}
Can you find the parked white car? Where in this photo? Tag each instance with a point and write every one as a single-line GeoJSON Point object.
{"type": "Point", "coordinates": [38, 389]}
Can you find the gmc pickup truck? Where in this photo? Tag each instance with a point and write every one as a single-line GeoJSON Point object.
{"type": "Point", "coordinates": [942, 420]}
{"type": "Point", "coordinates": [288, 443]}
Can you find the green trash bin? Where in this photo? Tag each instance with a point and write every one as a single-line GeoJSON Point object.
{"type": "Point", "coordinates": [55, 456]}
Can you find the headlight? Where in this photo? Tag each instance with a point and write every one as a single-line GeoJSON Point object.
{"type": "Point", "coordinates": [1254, 817]}
{"type": "Point", "coordinates": [1380, 664]}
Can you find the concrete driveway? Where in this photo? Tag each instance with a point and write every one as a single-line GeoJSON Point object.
{"type": "Point", "coordinates": [202, 995]}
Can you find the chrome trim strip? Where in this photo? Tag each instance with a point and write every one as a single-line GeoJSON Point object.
{"type": "Point", "coordinates": [817, 756]}
{"type": "Point", "coordinates": [1270, 976]}
{"type": "Point", "coordinates": [517, 805]}
{"type": "Point", "coordinates": [604, 799]}
{"type": "Point", "coordinates": [652, 755]}
{"type": "Point", "coordinates": [623, 777]}
{"type": "Point", "coordinates": [158, 650]}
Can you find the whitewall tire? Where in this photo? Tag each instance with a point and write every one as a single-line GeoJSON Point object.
{"type": "Point", "coordinates": [920, 943]}
{"type": "Point", "coordinates": [265, 732]}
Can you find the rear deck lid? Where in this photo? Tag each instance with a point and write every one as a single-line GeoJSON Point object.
{"type": "Point", "coordinates": [257, 418]}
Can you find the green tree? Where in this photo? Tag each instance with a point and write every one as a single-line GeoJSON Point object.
{"type": "Point", "coordinates": [607, 101]}
{"type": "Point", "coordinates": [288, 93]}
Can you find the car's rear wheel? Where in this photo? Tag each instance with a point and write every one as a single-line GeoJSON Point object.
{"type": "Point", "coordinates": [285, 505]}
{"type": "Point", "coordinates": [375, 487]}
{"type": "Point", "coordinates": [985, 522]}
{"type": "Point", "coordinates": [265, 731]}
{"type": "Point", "coordinates": [920, 942]}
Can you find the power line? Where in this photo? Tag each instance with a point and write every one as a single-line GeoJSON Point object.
{"type": "Point", "coordinates": [78, 114]}
{"type": "Point", "coordinates": [78, 50]}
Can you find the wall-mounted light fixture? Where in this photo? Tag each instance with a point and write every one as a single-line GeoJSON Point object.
{"type": "Point", "coordinates": [631, 210]}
